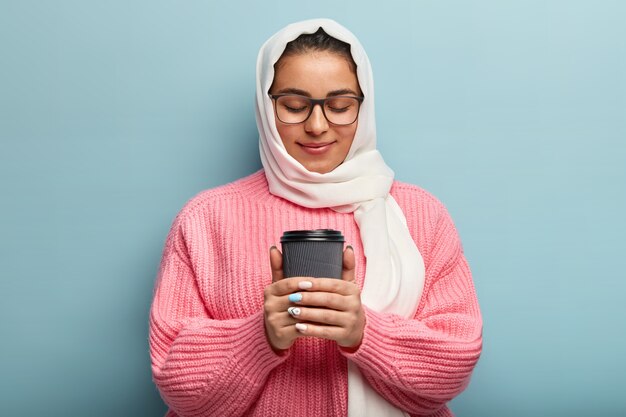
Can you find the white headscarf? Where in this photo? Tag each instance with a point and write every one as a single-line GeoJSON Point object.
{"type": "Point", "coordinates": [394, 276]}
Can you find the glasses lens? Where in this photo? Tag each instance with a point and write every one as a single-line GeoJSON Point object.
{"type": "Point", "coordinates": [292, 109]}
{"type": "Point", "coordinates": [341, 110]}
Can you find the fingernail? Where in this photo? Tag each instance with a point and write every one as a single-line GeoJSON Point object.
{"type": "Point", "coordinates": [305, 285]}
{"type": "Point", "coordinates": [294, 311]}
{"type": "Point", "coordinates": [301, 327]}
{"type": "Point", "coordinates": [295, 297]}
{"type": "Point", "coordinates": [272, 247]}
{"type": "Point", "coordinates": [350, 247]}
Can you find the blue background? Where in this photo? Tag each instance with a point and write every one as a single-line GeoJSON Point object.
{"type": "Point", "coordinates": [113, 114]}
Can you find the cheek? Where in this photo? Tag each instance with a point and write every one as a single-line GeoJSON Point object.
{"type": "Point", "coordinates": [287, 133]}
{"type": "Point", "coordinates": [348, 133]}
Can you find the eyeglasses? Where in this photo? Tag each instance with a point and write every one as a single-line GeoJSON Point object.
{"type": "Point", "coordinates": [338, 110]}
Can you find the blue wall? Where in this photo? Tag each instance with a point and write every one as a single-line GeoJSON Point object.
{"type": "Point", "coordinates": [113, 114]}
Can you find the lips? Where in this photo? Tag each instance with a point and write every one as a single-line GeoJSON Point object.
{"type": "Point", "coordinates": [316, 148]}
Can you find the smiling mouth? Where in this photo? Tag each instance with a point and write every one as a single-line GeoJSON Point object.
{"type": "Point", "coordinates": [316, 148]}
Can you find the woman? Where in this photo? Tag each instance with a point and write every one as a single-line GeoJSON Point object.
{"type": "Point", "coordinates": [401, 332]}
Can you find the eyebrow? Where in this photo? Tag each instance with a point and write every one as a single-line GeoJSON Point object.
{"type": "Point", "coordinates": [341, 92]}
{"type": "Point", "coordinates": [293, 91]}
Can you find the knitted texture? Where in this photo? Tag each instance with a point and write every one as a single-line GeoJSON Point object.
{"type": "Point", "coordinates": [208, 349]}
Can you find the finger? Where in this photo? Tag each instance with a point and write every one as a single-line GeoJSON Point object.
{"type": "Point", "coordinates": [322, 316]}
{"type": "Point", "coordinates": [338, 334]}
{"type": "Point", "coordinates": [333, 285]}
{"type": "Point", "coordinates": [287, 286]}
{"type": "Point", "coordinates": [347, 274]}
{"type": "Point", "coordinates": [321, 331]}
{"type": "Point", "coordinates": [327, 300]}
{"type": "Point", "coordinates": [279, 296]}
{"type": "Point", "coordinates": [281, 319]}
{"type": "Point", "coordinates": [276, 264]}
{"type": "Point", "coordinates": [277, 305]}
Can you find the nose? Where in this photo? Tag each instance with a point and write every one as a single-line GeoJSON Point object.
{"type": "Point", "coordinates": [316, 124]}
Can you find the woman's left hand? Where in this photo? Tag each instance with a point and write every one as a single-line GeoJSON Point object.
{"type": "Point", "coordinates": [331, 309]}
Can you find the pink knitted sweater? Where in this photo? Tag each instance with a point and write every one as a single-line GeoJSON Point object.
{"type": "Point", "coordinates": [209, 353]}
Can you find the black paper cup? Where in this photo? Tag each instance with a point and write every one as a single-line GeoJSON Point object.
{"type": "Point", "coordinates": [312, 253]}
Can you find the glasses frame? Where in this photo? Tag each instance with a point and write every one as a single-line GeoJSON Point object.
{"type": "Point", "coordinates": [314, 102]}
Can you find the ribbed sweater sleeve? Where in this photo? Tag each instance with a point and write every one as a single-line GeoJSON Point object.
{"type": "Point", "coordinates": [419, 364]}
{"type": "Point", "coordinates": [200, 365]}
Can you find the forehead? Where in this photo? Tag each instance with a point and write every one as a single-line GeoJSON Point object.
{"type": "Point", "coordinates": [315, 71]}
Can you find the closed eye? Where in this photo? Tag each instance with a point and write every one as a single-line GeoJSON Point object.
{"type": "Point", "coordinates": [296, 109]}
{"type": "Point", "coordinates": [338, 109]}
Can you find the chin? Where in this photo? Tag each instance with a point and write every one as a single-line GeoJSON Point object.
{"type": "Point", "coordinates": [320, 168]}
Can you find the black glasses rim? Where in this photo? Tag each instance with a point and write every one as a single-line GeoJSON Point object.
{"type": "Point", "coordinates": [315, 102]}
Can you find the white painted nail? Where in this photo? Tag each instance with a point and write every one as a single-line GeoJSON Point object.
{"type": "Point", "coordinates": [305, 285]}
{"type": "Point", "coordinates": [294, 311]}
{"type": "Point", "coordinates": [301, 327]}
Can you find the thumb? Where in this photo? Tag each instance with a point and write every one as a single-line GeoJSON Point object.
{"type": "Point", "coordinates": [276, 264]}
{"type": "Point", "coordinates": [348, 264]}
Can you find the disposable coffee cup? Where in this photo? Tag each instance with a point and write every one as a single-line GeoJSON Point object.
{"type": "Point", "coordinates": [312, 253]}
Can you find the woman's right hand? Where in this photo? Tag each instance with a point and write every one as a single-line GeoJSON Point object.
{"type": "Point", "coordinates": [279, 325]}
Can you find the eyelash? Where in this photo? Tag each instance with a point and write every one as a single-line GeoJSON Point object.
{"type": "Point", "coordinates": [295, 110]}
{"type": "Point", "coordinates": [339, 110]}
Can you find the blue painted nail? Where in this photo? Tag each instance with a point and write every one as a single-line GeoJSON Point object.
{"type": "Point", "coordinates": [295, 297]}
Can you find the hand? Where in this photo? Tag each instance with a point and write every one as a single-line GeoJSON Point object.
{"type": "Point", "coordinates": [330, 308]}
{"type": "Point", "coordinates": [279, 324]}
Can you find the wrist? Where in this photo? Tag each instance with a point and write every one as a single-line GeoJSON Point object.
{"type": "Point", "coordinates": [351, 349]}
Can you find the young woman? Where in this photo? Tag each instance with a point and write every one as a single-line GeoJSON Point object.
{"type": "Point", "coordinates": [398, 335]}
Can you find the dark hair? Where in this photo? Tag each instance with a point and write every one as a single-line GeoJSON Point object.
{"type": "Point", "coordinates": [318, 41]}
